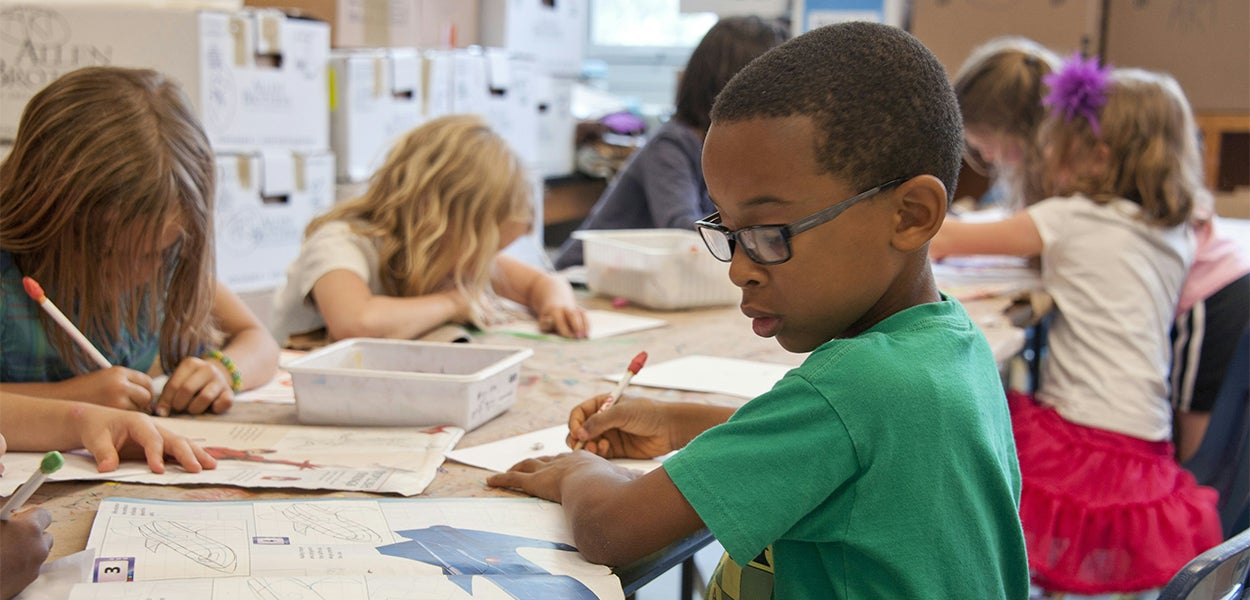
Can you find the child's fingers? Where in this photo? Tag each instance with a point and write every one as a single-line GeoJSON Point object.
{"type": "Point", "coordinates": [578, 416]}
{"type": "Point", "coordinates": [148, 436]}
{"type": "Point", "coordinates": [182, 451]}
{"type": "Point", "coordinates": [208, 395]}
{"type": "Point", "coordinates": [101, 446]}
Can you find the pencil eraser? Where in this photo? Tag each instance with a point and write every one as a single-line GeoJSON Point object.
{"type": "Point", "coordinates": [33, 289]}
{"type": "Point", "coordinates": [619, 302]}
{"type": "Point", "coordinates": [636, 364]}
{"type": "Point", "coordinates": [52, 462]}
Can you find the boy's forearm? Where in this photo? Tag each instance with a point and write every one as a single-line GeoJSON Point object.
{"type": "Point", "coordinates": [688, 420]}
{"type": "Point", "coordinates": [610, 522]}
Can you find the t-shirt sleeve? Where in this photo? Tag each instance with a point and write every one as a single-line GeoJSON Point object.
{"type": "Point", "coordinates": [332, 247]}
{"type": "Point", "coordinates": [755, 477]}
{"type": "Point", "coordinates": [1048, 216]}
{"type": "Point", "coordinates": [673, 185]}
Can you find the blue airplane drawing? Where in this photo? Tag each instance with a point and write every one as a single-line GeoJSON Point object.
{"type": "Point", "coordinates": [465, 553]}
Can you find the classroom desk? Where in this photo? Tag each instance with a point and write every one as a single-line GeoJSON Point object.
{"type": "Point", "coordinates": [560, 374]}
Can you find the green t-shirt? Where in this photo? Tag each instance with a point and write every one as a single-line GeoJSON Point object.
{"type": "Point", "coordinates": [882, 467]}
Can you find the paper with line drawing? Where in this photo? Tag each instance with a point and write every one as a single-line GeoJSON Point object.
{"type": "Point", "coordinates": [341, 549]}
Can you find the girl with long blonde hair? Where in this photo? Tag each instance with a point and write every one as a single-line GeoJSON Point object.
{"type": "Point", "coordinates": [422, 246]}
{"type": "Point", "coordinates": [108, 204]}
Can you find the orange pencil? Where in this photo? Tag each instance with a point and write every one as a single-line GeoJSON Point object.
{"type": "Point", "coordinates": [634, 366]}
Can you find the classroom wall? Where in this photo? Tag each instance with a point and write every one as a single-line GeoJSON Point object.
{"type": "Point", "coordinates": [1204, 44]}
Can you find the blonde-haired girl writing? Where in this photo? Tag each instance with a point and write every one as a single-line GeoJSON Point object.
{"type": "Point", "coordinates": [422, 246]}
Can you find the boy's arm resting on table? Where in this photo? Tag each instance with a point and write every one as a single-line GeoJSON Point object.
{"type": "Point", "coordinates": [549, 296]}
{"type": "Point", "coordinates": [1016, 235]}
{"type": "Point", "coordinates": [350, 309]}
{"type": "Point", "coordinates": [617, 515]}
{"type": "Point", "coordinates": [42, 424]}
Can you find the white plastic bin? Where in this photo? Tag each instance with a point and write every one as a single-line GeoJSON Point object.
{"type": "Point", "coordinates": [664, 269]}
{"type": "Point", "coordinates": [405, 383]}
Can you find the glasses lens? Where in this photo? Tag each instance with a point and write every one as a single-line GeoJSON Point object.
{"type": "Point", "coordinates": [765, 245]}
{"type": "Point", "coordinates": [717, 243]}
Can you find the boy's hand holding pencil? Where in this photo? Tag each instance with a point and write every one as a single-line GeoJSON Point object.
{"type": "Point", "coordinates": [634, 428]}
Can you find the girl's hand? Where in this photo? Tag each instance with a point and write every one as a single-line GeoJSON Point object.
{"type": "Point", "coordinates": [195, 387]}
{"type": "Point", "coordinates": [24, 545]}
{"type": "Point", "coordinates": [110, 434]}
{"type": "Point", "coordinates": [565, 321]}
{"type": "Point", "coordinates": [115, 387]}
{"type": "Point", "coordinates": [632, 428]}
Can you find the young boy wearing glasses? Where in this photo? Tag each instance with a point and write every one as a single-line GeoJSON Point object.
{"type": "Point", "coordinates": [883, 466]}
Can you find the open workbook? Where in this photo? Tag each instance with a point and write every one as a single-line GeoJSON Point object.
{"type": "Point", "coordinates": [345, 549]}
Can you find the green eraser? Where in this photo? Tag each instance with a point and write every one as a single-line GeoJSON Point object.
{"type": "Point", "coordinates": [51, 462]}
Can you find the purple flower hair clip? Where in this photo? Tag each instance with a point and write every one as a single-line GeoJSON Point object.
{"type": "Point", "coordinates": [1078, 88]}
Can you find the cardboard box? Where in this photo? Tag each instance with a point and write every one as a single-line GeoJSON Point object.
{"type": "Point", "coordinates": [353, 23]}
{"type": "Point", "coordinates": [1204, 45]}
{"type": "Point", "coordinates": [401, 382]}
{"type": "Point", "coordinates": [438, 80]}
{"type": "Point", "coordinates": [552, 32]}
{"type": "Point", "coordinates": [444, 24]}
{"type": "Point", "coordinates": [511, 104]}
{"type": "Point", "coordinates": [390, 23]}
{"type": "Point", "coordinates": [257, 78]}
{"type": "Point", "coordinates": [557, 127]}
{"type": "Point", "coordinates": [264, 202]}
{"type": "Point", "coordinates": [375, 97]}
{"type": "Point", "coordinates": [953, 28]}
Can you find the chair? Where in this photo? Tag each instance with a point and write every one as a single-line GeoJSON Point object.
{"type": "Point", "coordinates": [1221, 573]}
{"type": "Point", "coordinates": [1222, 460]}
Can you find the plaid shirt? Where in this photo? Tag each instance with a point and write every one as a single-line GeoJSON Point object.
{"type": "Point", "coordinates": [25, 352]}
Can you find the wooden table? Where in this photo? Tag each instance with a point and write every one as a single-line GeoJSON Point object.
{"type": "Point", "coordinates": [560, 374]}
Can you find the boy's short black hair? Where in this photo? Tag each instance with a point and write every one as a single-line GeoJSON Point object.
{"type": "Point", "coordinates": [881, 101]}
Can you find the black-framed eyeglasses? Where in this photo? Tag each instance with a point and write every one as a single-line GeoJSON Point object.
{"type": "Point", "coordinates": [770, 244]}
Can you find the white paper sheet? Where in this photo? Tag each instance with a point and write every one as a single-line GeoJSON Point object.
{"type": "Point", "coordinates": [501, 455]}
{"type": "Point", "coordinates": [399, 460]}
{"type": "Point", "coordinates": [603, 323]}
{"type": "Point", "coordinates": [697, 373]}
{"type": "Point", "coordinates": [343, 549]}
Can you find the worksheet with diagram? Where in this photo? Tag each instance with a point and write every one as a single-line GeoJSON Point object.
{"type": "Point", "coordinates": [342, 549]}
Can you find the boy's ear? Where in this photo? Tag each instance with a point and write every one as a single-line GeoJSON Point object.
{"type": "Point", "coordinates": [919, 212]}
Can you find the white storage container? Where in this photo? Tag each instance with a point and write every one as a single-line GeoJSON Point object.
{"type": "Point", "coordinates": [405, 383]}
{"type": "Point", "coordinates": [664, 269]}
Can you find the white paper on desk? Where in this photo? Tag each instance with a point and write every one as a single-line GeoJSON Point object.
{"type": "Point", "coordinates": [696, 373]}
{"type": "Point", "coordinates": [501, 455]}
{"type": "Point", "coordinates": [399, 460]}
{"type": "Point", "coordinates": [603, 323]}
{"type": "Point", "coordinates": [954, 270]}
{"type": "Point", "coordinates": [340, 548]}
{"type": "Point", "coordinates": [58, 577]}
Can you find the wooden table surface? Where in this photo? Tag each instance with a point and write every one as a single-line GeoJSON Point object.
{"type": "Point", "coordinates": [559, 375]}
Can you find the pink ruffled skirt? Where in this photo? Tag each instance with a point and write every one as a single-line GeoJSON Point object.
{"type": "Point", "coordinates": [1104, 512]}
